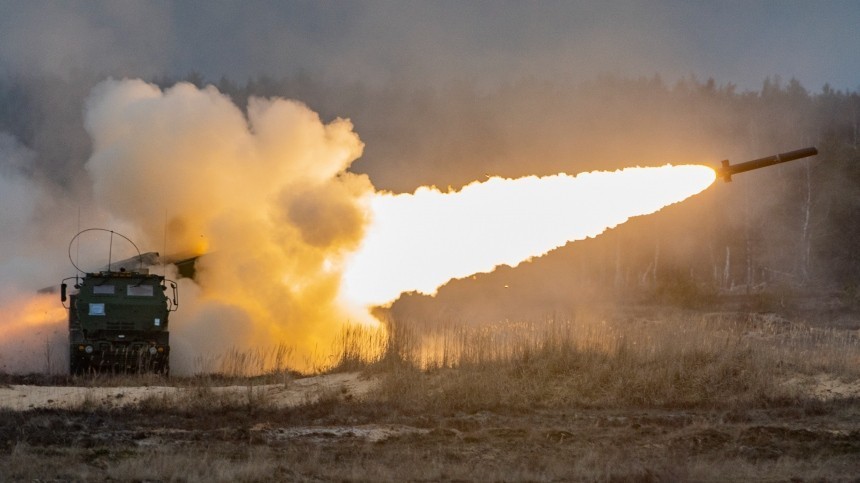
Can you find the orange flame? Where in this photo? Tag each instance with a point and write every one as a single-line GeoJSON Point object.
{"type": "Point", "coordinates": [420, 241]}
{"type": "Point", "coordinates": [28, 328]}
{"type": "Point", "coordinates": [33, 313]}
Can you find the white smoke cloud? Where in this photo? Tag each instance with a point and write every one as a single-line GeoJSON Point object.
{"type": "Point", "coordinates": [267, 198]}
{"type": "Point", "coordinates": [28, 216]}
{"type": "Point", "coordinates": [30, 325]}
{"type": "Point", "coordinates": [16, 194]}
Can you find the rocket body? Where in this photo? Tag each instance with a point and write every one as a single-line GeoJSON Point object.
{"type": "Point", "coordinates": [726, 170]}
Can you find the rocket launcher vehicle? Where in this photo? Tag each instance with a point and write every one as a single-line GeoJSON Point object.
{"type": "Point", "coordinates": [726, 170]}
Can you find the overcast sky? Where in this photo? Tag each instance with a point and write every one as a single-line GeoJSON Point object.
{"type": "Point", "coordinates": [488, 43]}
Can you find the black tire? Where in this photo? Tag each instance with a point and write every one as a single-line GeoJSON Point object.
{"type": "Point", "coordinates": [76, 368]}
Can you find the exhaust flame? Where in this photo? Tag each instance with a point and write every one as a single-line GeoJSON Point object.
{"type": "Point", "coordinates": [29, 329]}
{"type": "Point", "coordinates": [418, 242]}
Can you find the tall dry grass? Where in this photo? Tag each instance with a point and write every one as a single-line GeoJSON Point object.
{"type": "Point", "coordinates": [252, 362]}
{"type": "Point", "coordinates": [669, 359]}
{"type": "Point", "coordinates": [355, 348]}
{"type": "Point", "coordinates": [674, 359]}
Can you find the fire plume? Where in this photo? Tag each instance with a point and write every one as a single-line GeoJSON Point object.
{"type": "Point", "coordinates": [420, 241]}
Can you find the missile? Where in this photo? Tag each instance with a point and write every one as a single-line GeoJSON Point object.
{"type": "Point", "coordinates": [727, 170]}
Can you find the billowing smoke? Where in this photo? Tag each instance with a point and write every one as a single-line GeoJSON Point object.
{"type": "Point", "coordinates": [267, 198]}
{"type": "Point", "coordinates": [28, 324]}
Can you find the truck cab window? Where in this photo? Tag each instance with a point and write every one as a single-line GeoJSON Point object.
{"type": "Point", "coordinates": [140, 291]}
{"type": "Point", "coordinates": [104, 289]}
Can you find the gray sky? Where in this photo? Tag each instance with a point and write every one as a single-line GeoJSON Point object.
{"type": "Point", "coordinates": [488, 42]}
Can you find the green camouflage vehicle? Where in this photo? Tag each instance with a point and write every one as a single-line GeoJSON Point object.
{"type": "Point", "coordinates": [118, 320]}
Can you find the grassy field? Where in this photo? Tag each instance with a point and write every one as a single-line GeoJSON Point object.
{"type": "Point", "coordinates": [639, 395]}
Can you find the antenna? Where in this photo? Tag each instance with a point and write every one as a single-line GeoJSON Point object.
{"type": "Point", "coordinates": [110, 250]}
{"type": "Point", "coordinates": [78, 244]}
{"type": "Point", "coordinates": [164, 244]}
{"type": "Point", "coordinates": [78, 247]}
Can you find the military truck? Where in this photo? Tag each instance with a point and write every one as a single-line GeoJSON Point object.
{"type": "Point", "coordinates": [118, 319]}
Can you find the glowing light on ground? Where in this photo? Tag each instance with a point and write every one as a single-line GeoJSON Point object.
{"type": "Point", "coordinates": [420, 241]}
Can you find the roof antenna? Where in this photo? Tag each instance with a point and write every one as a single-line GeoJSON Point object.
{"type": "Point", "coordinates": [164, 245]}
{"type": "Point", "coordinates": [78, 244]}
{"type": "Point", "coordinates": [110, 250]}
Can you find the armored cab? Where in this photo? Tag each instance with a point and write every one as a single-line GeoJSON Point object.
{"type": "Point", "coordinates": [118, 320]}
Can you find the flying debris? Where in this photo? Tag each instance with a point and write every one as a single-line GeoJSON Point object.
{"type": "Point", "coordinates": [726, 170]}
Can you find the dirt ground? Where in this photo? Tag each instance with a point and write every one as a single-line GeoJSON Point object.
{"type": "Point", "coordinates": [326, 428]}
{"type": "Point", "coordinates": [293, 392]}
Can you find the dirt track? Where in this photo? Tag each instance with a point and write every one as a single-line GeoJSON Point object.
{"type": "Point", "coordinates": [291, 393]}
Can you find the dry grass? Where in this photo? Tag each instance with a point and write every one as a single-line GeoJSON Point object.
{"type": "Point", "coordinates": [673, 361]}
{"type": "Point", "coordinates": [667, 360]}
{"type": "Point", "coordinates": [236, 363]}
{"type": "Point", "coordinates": [358, 347]}
{"type": "Point", "coordinates": [355, 347]}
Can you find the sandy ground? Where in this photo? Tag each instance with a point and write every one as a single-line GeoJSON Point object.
{"type": "Point", "coordinates": [826, 387]}
{"type": "Point", "coordinates": [293, 393]}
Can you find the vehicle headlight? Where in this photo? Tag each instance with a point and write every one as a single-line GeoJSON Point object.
{"type": "Point", "coordinates": [89, 349]}
{"type": "Point", "coordinates": [152, 350]}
